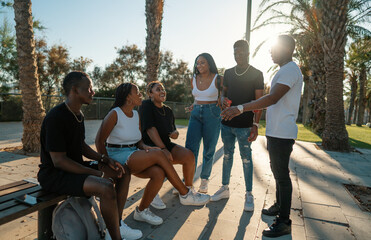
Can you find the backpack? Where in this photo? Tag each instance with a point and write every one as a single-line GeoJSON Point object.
{"type": "Point", "coordinates": [78, 218]}
{"type": "Point", "coordinates": [219, 87]}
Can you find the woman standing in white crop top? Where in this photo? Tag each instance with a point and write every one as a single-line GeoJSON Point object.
{"type": "Point", "coordinates": [205, 119]}
{"type": "Point", "coordinates": [120, 137]}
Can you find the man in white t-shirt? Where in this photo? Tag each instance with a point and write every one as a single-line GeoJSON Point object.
{"type": "Point", "coordinates": [281, 130]}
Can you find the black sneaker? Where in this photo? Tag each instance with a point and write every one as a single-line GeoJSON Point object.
{"type": "Point", "coordinates": [274, 210]}
{"type": "Point", "coordinates": [278, 228]}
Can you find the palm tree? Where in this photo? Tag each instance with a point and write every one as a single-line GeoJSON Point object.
{"type": "Point", "coordinates": [154, 11]}
{"type": "Point", "coordinates": [33, 111]}
{"type": "Point", "coordinates": [305, 26]}
{"type": "Point", "coordinates": [352, 77]}
{"type": "Point", "coordinates": [305, 21]}
{"type": "Point", "coordinates": [333, 38]}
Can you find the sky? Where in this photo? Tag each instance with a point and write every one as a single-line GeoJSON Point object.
{"type": "Point", "coordinates": [94, 28]}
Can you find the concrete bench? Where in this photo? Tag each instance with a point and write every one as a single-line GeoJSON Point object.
{"type": "Point", "coordinates": [11, 209]}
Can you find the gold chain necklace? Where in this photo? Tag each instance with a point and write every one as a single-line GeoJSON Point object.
{"type": "Point", "coordinates": [163, 113]}
{"type": "Point", "coordinates": [199, 79]}
{"type": "Point", "coordinates": [235, 71]}
{"type": "Point", "coordinates": [82, 115]}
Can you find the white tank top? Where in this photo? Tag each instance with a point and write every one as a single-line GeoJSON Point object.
{"type": "Point", "coordinates": [209, 94]}
{"type": "Point", "coordinates": [126, 130]}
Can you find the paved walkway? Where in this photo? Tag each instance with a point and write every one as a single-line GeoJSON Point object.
{"type": "Point", "coordinates": [321, 207]}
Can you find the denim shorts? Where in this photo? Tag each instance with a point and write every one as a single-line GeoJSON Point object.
{"type": "Point", "coordinates": [121, 154]}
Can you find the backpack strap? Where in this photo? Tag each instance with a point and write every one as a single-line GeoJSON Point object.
{"type": "Point", "coordinates": [101, 223]}
{"type": "Point", "coordinates": [77, 207]}
{"type": "Point", "coordinates": [219, 87]}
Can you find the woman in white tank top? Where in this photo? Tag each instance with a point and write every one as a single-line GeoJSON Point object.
{"type": "Point", "coordinates": [120, 137]}
{"type": "Point", "coordinates": [204, 122]}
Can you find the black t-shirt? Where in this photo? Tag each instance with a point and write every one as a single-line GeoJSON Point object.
{"type": "Point", "coordinates": [60, 132]}
{"type": "Point", "coordinates": [160, 118]}
{"type": "Point", "coordinates": [241, 89]}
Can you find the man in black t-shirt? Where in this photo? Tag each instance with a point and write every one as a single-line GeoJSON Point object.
{"type": "Point", "coordinates": [62, 168]}
{"type": "Point", "coordinates": [242, 83]}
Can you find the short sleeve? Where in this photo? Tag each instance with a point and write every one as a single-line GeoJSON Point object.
{"type": "Point", "coordinates": [173, 119]}
{"type": "Point", "coordinates": [259, 81]}
{"type": "Point", "coordinates": [55, 139]}
{"type": "Point", "coordinates": [288, 78]}
{"type": "Point", "coordinates": [146, 115]}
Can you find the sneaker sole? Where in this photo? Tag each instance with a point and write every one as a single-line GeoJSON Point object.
{"type": "Point", "coordinates": [195, 204]}
{"type": "Point", "coordinates": [218, 199]}
{"type": "Point", "coordinates": [158, 207]}
{"type": "Point", "coordinates": [152, 223]}
{"type": "Point", "coordinates": [274, 235]}
{"type": "Point", "coordinates": [149, 222]}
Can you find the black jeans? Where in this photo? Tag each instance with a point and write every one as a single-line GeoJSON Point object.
{"type": "Point", "coordinates": [279, 153]}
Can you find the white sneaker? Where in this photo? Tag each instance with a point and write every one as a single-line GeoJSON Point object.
{"type": "Point", "coordinates": [203, 186]}
{"type": "Point", "coordinates": [147, 216]}
{"type": "Point", "coordinates": [249, 202]}
{"type": "Point", "coordinates": [194, 198]}
{"type": "Point", "coordinates": [108, 237]}
{"type": "Point", "coordinates": [158, 203]}
{"type": "Point", "coordinates": [222, 193]}
{"type": "Point", "coordinates": [129, 233]}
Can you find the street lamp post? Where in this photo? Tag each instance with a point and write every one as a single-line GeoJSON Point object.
{"type": "Point", "coordinates": [248, 22]}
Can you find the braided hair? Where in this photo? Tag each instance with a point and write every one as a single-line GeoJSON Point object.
{"type": "Point", "coordinates": [122, 92]}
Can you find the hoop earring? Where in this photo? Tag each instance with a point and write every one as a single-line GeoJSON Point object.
{"type": "Point", "coordinates": [130, 102]}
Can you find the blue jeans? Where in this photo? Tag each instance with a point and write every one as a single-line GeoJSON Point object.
{"type": "Point", "coordinates": [229, 135]}
{"type": "Point", "coordinates": [204, 124]}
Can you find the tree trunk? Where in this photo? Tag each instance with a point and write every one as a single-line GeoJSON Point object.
{"type": "Point", "coordinates": [355, 114]}
{"type": "Point", "coordinates": [362, 91]}
{"type": "Point", "coordinates": [318, 79]}
{"type": "Point", "coordinates": [304, 119]}
{"type": "Point", "coordinates": [333, 39]}
{"type": "Point", "coordinates": [353, 93]}
{"type": "Point", "coordinates": [33, 111]}
{"type": "Point", "coordinates": [154, 11]}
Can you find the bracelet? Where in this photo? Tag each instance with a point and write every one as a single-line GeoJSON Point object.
{"type": "Point", "coordinates": [102, 176]}
{"type": "Point", "coordinates": [256, 124]}
{"type": "Point", "coordinates": [102, 158]}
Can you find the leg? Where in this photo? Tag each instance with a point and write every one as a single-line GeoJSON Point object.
{"type": "Point", "coordinates": [279, 154]}
{"type": "Point", "coordinates": [210, 134]}
{"type": "Point", "coordinates": [186, 158]}
{"type": "Point", "coordinates": [229, 140]}
{"type": "Point", "coordinates": [122, 189]}
{"type": "Point", "coordinates": [193, 139]}
{"type": "Point", "coordinates": [104, 189]}
{"type": "Point", "coordinates": [156, 176]}
{"type": "Point", "coordinates": [141, 160]}
{"type": "Point", "coordinates": [245, 153]}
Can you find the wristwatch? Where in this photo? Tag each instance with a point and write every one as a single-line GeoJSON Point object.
{"type": "Point", "coordinates": [240, 108]}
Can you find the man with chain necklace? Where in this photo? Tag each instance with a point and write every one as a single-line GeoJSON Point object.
{"type": "Point", "coordinates": [62, 168]}
{"type": "Point", "coordinates": [242, 83]}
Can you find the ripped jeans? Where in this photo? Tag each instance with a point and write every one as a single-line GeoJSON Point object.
{"type": "Point", "coordinates": [229, 135]}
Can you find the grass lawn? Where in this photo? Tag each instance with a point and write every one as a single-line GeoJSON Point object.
{"type": "Point", "coordinates": [359, 137]}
